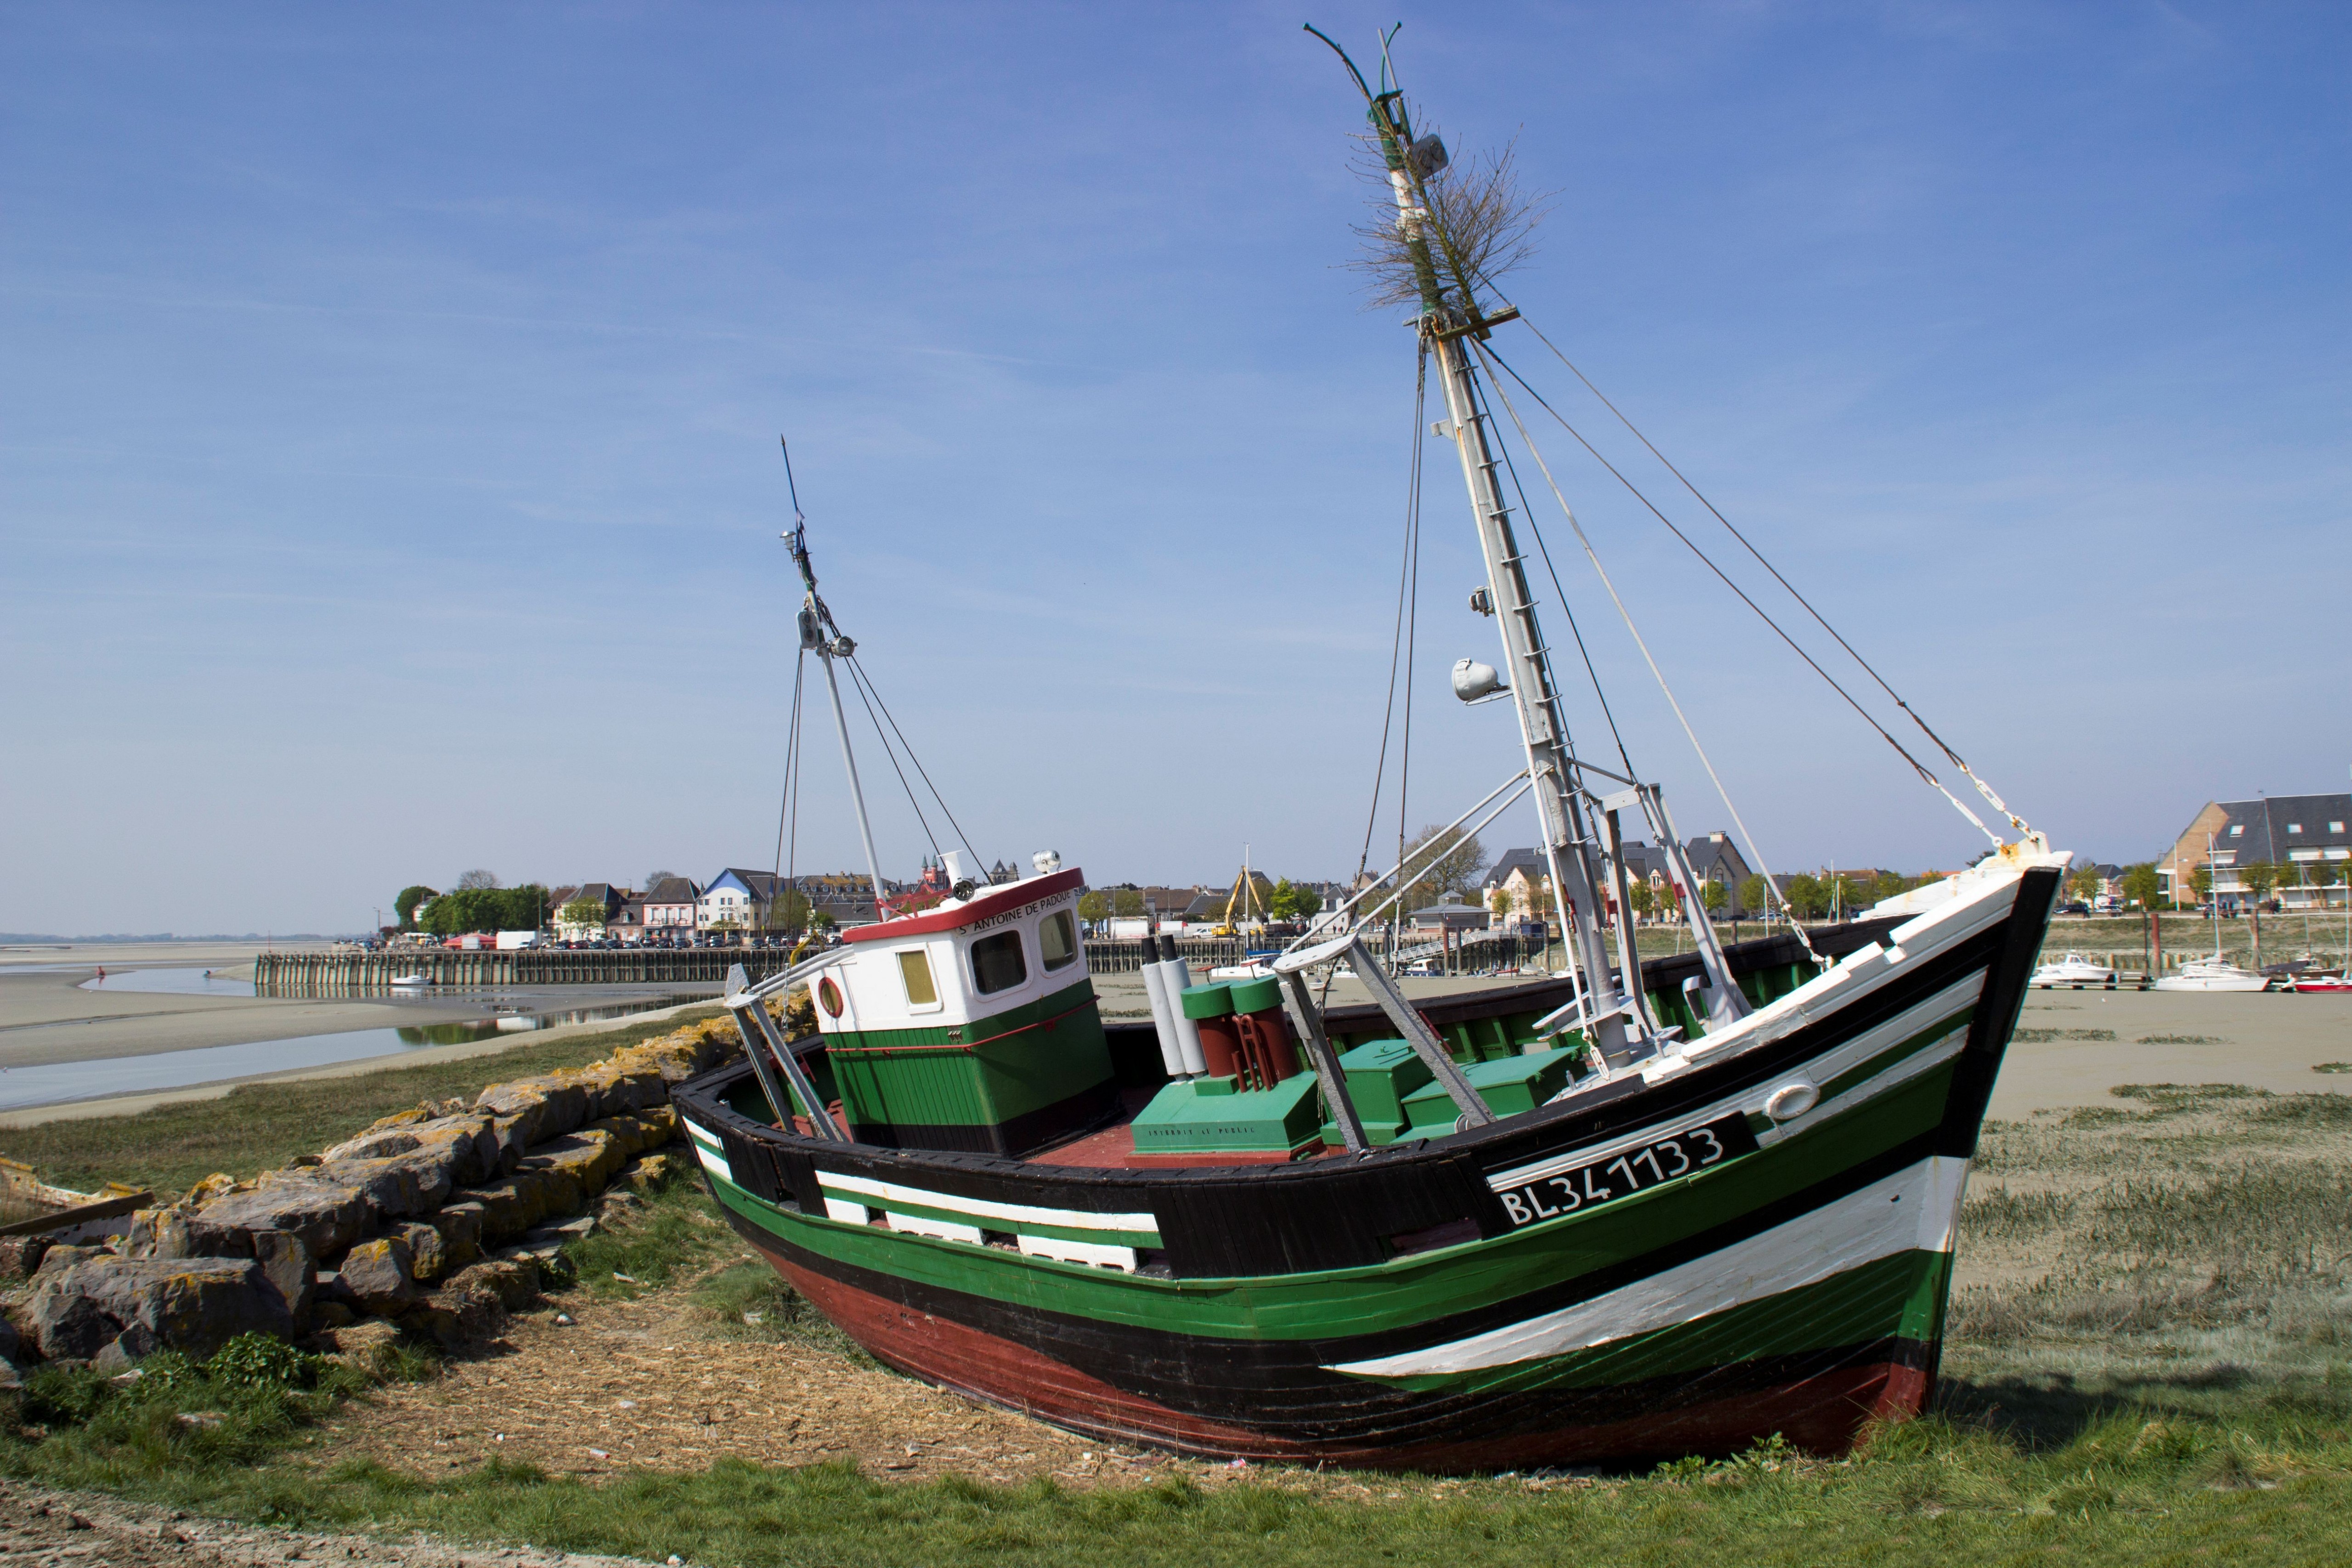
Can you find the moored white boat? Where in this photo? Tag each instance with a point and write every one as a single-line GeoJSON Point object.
{"type": "Point", "coordinates": [2212, 974]}
{"type": "Point", "coordinates": [2075, 971]}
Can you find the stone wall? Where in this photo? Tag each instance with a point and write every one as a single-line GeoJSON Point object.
{"type": "Point", "coordinates": [434, 1221]}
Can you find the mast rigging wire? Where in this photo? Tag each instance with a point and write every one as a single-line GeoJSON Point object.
{"type": "Point", "coordinates": [1404, 577]}
{"type": "Point", "coordinates": [1486, 353]}
{"type": "Point", "coordinates": [1771, 888]}
{"type": "Point", "coordinates": [1956, 760]}
{"type": "Point", "coordinates": [857, 679]}
{"type": "Point", "coordinates": [961, 837]}
{"type": "Point", "coordinates": [792, 753]}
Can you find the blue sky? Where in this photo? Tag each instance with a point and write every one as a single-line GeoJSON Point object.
{"type": "Point", "coordinates": [388, 472]}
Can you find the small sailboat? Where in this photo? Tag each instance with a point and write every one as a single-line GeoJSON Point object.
{"type": "Point", "coordinates": [410, 982]}
{"type": "Point", "coordinates": [1642, 1207]}
{"type": "Point", "coordinates": [2074, 972]}
{"type": "Point", "coordinates": [2321, 983]}
{"type": "Point", "coordinates": [2217, 973]}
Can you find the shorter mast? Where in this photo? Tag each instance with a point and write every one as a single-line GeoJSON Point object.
{"type": "Point", "coordinates": [821, 637]}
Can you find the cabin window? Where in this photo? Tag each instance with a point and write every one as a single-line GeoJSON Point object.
{"type": "Point", "coordinates": [915, 969]}
{"type": "Point", "coordinates": [996, 962]}
{"type": "Point", "coordinates": [1057, 940]}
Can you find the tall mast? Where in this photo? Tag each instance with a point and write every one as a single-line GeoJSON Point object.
{"type": "Point", "coordinates": [821, 637]}
{"type": "Point", "coordinates": [1443, 323]}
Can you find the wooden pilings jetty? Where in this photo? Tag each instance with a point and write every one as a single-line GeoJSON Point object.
{"type": "Point", "coordinates": [372, 973]}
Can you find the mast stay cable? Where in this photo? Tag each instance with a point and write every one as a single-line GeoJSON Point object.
{"type": "Point", "coordinates": [857, 679]}
{"type": "Point", "coordinates": [1487, 354]}
{"type": "Point", "coordinates": [1405, 578]}
{"type": "Point", "coordinates": [1956, 760]}
{"type": "Point", "coordinates": [860, 671]}
{"type": "Point", "coordinates": [1771, 888]}
{"type": "Point", "coordinates": [791, 756]}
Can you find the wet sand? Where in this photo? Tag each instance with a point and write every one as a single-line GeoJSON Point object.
{"type": "Point", "coordinates": [422, 1056]}
{"type": "Point", "coordinates": [2268, 1040]}
{"type": "Point", "coordinates": [46, 1017]}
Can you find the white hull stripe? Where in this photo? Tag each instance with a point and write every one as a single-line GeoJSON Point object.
{"type": "Point", "coordinates": [885, 1194]}
{"type": "Point", "coordinates": [716, 1163]}
{"type": "Point", "coordinates": [1912, 1211]}
{"type": "Point", "coordinates": [1917, 1019]}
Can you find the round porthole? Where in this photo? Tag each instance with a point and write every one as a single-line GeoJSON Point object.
{"type": "Point", "coordinates": [828, 997]}
{"type": "Point", "coordinates": [1791, 1100]}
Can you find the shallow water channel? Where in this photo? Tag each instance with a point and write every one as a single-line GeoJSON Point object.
{"type": "Point", "coordinates": [504, 1012]}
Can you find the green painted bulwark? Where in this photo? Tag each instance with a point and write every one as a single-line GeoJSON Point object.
{"type": "Point", "coordinates": [988, 1074]}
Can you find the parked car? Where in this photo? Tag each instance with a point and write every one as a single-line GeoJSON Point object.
{"type": "Point", "coordinates": [2073, 909]}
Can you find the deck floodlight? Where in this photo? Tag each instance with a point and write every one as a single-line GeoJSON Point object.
{"type": "Point", "coordinates": [1477, 682]}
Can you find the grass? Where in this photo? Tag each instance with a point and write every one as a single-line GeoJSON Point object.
{"type": "Point", "coordinates": [2149, 1481]}
{"type": "Point", "coordinates": [258, 1126]}
{"type": "Point", "coordinates": [2167, 1380]}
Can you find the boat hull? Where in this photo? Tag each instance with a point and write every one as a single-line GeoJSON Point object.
{"type": "Point", "coordinates": [1449, 1304]}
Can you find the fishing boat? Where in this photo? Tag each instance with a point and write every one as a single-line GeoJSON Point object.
{"type": "Point", "coordinates": [2075, 971]}
{"type": "Point", "coordinates": [1642, 1207]}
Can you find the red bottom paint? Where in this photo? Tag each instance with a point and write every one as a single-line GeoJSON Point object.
{"type": "Point", "coordinates": [1821, 1414]}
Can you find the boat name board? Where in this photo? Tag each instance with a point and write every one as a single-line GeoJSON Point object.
{"type": "Point", "coordinates": [1630, 1172]}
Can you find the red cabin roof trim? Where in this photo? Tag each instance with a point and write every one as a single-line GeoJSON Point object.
{"type": "Point", "coordinates": [987, 904]}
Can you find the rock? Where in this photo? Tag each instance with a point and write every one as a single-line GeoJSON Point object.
{"type": "Point", "coordinates": [460, 1228]}
{"type": "Point", "coordinates": [378, 1274]}
{"type": "Point", "coordinates": [191, 1304]}
{"type": "Point", "coordinates": [218, 1185]}
{"type": "Point", "coordinates": [158, 1233]}
{"type": "Point", "coordinates": [390, 1135]}
{"type": "Point", "coordinates": [513, 1281]}
{"type": "Point", "coordinates": [589, 1159]}
{"type": "Point", "coordinates": [286, 1264]}
{"type": "Point", "coordinates": [113, 1360]}
{"type": "Point", "coordinates": [548, 1106]}
{"type": "Point", "coordinates": [329, 1214]}
{"type": "Point", "coordinates": [332, 1315]}
{"type": "Point", "coordinates": [68, 1325]}
{"type": "Point", "coordinates": [651, 1172]}
{"type": "Point", "coordinates": [57, 1259]}
{"type": "Point", "coordinates": [427, 1262]}
{"type": "Point", "coordinates": [21, 1254]}
{"type": "Point", "coordinates": [8, 1340]}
